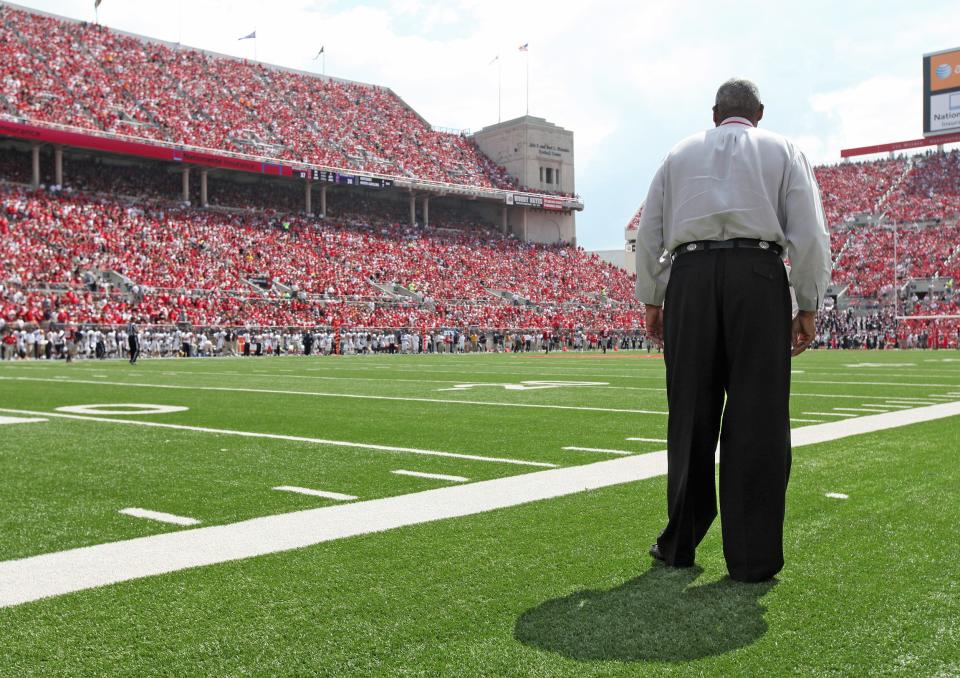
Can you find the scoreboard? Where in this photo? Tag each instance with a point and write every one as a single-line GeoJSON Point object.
{"type": "Point", "coordinates": [329, 177]}
{"type": "Point", "coordinates": [941, 92]}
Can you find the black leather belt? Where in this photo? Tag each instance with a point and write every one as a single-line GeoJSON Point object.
{"type": "Point", "coordinates": [749, 243]}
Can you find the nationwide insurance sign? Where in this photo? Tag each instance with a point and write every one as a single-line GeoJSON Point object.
{"type": "Point", "coordinates": [941, 92]}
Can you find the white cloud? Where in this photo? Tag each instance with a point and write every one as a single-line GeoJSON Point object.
{"type": "Point", "coordinates": [878, 110]}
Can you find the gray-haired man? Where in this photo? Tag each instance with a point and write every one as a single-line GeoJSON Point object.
{"type": "Point", "coordinates": [723, 209]}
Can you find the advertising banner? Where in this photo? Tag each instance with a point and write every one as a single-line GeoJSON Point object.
{"type": "Point", "coordinates": [941, 92]}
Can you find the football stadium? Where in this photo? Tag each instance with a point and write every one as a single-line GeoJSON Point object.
{"type": "Point", "coordinates": [295, 382]}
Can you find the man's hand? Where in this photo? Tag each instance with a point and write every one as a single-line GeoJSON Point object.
{"type": "Point", "coordinates": [654, 322]}
{"type": "Point", "coordinates": [803, 332]}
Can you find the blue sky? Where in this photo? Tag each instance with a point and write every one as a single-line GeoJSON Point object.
{"type": "Point", "coordinates": [629, 78]}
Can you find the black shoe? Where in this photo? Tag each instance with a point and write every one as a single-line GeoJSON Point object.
{"type": "Point", "coordinates": [657, 554]}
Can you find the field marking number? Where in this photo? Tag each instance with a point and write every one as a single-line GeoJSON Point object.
{"type": "Point", "coordinates": [527, 385]}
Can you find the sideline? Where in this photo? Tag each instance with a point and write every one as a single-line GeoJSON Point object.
{"type": "Point", "coordinates": [53, 574]}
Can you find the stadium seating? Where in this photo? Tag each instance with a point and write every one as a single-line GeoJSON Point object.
{"type": "Point", "coordinates": [853, 188]}
{"type": "Point", "coordinates": [194, 266]}
{"type": "Point", "coordinates": [88, 76]}
{"type": "Point", "coordinates": [180, 255]}
{"type": "Point", "coordinates": [921, 198]}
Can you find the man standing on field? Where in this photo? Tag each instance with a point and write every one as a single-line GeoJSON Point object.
{"type": "Point", "coordinates": [133, 342]}
{"type": "Point", "coordinates": [723, 210]}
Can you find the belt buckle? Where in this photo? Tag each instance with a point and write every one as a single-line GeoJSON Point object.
{"type": "Point", "coordinates": [691, 247]}
{"type": "Point", "coordinates": [764, 245]}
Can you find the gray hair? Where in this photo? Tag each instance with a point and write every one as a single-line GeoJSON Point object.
{"type": "Point", "coordinates": [738, 97]}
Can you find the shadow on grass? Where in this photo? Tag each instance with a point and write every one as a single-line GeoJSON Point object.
{"type": "Point", "coordinates": [656, 617]}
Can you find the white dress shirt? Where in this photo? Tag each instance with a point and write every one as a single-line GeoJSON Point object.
{"type": "Point", "coordinates": [735, 181]}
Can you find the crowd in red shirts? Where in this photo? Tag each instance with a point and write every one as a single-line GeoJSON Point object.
{"type": "Point", "coordinates": [929, 192]}
{"type": "Point", "coordinates": [195, 265]}
{"type": "Point", "coordinates": [213, 267]}
{"type": "Point", "coordinates": [88, 76]}
{"type": "Point", "coordinates": [854, 189]}
{"type": "Point", "coordinates": [268, 266]}
{"type": "Point", "coordinates": [915, 212]}
{"type": "Point", "coordinates": [925, 187]}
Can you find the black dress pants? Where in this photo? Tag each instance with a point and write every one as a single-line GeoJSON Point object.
{"type": "Point", "coordinates": [727, 320]}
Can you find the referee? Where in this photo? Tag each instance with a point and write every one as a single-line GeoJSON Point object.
{"type": "Point", "coordinates": [723, 211]}
{"type": "Point", "coordinates": [133, 342]}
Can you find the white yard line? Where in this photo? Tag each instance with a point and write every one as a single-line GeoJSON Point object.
{"type": "Point", "coordinates": [830, 414]}
{"type": "Point", "coordinates": [837, 495]}
{"type": "Point", "coordinates": [801, 394]}
{"type": "Point", "coordinates": [432, 476]}
{"type": "Point", "coordinates": [316, 493]}
{"type": "Point", "coordinates": [649, 440]}
{"type": "Point", "coordinates": [860, 409]}
{"type": "Point", "coordinates": [449, 401]}
{"type": "Point", "coordinates": [276, 436]}
{"type": "Point", "coordinates": [805, 421]}
{"type": "Point", "coordinates": [159, 516]}
{"type": "Point", "coordinates": [21, 420]}
{"type": "Point", "coordinates": [53, 574]}
{"type": "Point", "coordinates": [872, 383]}
{"type": "Point", "coordinates": [599, 449]}
{"type": "Point", "coordinates": [211, 373]}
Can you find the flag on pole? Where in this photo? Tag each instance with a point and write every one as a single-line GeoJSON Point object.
{"type": "Point", "coordinates": [525, 47]}
{"type": "Point", "coordinates": [495, 60]}
{"type": "Point", "coordinates": [252, 36]}
{"type": "Point", "coordinates": [96, 4]}
{"type": "Point", "coordinates": [319, 53]}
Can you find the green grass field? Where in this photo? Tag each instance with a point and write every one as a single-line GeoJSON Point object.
{"type": "Point", "coordinates": [561, 586]}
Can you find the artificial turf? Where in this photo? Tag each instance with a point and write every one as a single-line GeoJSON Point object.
{"type": "Point", "coordinates": [560, 587]}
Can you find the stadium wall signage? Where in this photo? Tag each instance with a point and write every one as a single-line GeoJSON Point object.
{"type": "Point", "coordinates": [941, 92]}
{"type": "Point", "coordinates": [900, 145]}
{"type": "Point", "coordinates": [326, 176]}
{"type": "Point", "coordinates": [543, 202]}
{"type": "Point", "coordinates": [550, 150]}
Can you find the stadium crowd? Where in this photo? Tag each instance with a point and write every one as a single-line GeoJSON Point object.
{"type": "Point", "coordinates": [179, 264]}
{"type": "Point", "coordinates": [270, 267]}
{"type": "Point", "coordinates": [88, 76]}
{"type": "Point", "coordinates": [117, 244]}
